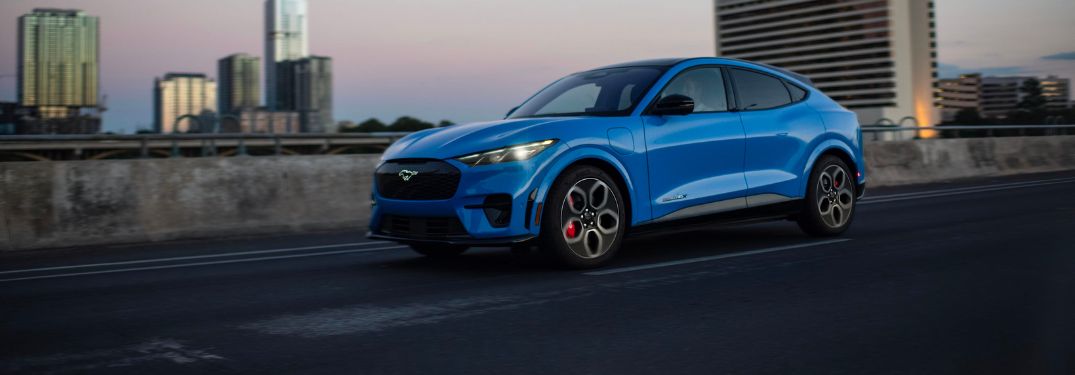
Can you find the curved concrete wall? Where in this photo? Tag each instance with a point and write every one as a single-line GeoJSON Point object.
{"type": "Point", "coordinates": [56, 204]}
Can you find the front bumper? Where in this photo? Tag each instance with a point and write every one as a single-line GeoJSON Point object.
{"type": "Point", "coordinates": [520, 180]}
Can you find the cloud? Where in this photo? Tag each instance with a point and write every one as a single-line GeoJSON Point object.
{"type": "Point", "coordinates": [953, 70]}
{"type": "Point", "coordinates": [1060, 56]}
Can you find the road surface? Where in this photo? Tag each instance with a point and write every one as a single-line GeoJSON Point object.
{"type": "Point", "coordinates": [968, 277]}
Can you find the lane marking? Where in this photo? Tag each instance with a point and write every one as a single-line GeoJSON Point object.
{"type": "Point", "coordinates": [915, 193]}
{"type": "Point", "coordinates": [884, 199]}
{"type": "Point", "coordinates": [221, 255]}
{"type": "Point", "coordinates": [195, 264]}
{"type": "Point", "coordinates": [712, 257]}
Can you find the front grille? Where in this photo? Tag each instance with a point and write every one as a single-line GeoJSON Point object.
{"type": "Point", "coordinates": [417, 180]}
{"type": "Point", "coordinates": [422, 227]}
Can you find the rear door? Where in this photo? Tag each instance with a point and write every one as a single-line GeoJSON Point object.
{"type": "Point", "coordinates": [779, 127]}
{"type": "Point", "coordinates": [696, 160]}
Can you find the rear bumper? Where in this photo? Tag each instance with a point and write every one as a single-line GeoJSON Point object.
{"type": "Point", "coordinates": [455, 240]}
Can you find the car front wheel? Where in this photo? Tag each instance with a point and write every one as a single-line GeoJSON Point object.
{"type": "Point", "coordinates": [583, 223]}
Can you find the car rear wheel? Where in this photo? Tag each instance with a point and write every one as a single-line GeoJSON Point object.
{"type": "Point", "coordinates": [439, 250]}
{"type": "Point", "coordinates": [830, 199]}
{"type": "Point", "coordinates": [583, 223]}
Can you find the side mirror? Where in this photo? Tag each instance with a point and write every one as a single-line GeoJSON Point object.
{"type": "Point", "coordinates": [674, 105]}
{"type": "Point", "coordinates": [512, 111]}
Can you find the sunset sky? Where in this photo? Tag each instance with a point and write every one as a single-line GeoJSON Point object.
{"type": "Point", "coordinates": [469, 60]}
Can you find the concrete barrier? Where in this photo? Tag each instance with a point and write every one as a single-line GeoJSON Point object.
{"type": "Point", "coordinates": [69, 203]}
{"type": "Point", "coordinates": [935, 160]}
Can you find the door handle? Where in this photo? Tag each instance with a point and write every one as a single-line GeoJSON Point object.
{"type": "Point", "coordinates": [782, 134]}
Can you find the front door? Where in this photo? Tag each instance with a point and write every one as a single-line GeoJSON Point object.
{"type": "Point", "coordinates": [696, 160]}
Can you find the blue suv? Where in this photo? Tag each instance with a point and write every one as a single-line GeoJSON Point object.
{"type": "Point", "coordinates": [622, 149]}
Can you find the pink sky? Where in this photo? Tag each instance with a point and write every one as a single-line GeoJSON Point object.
{"type": "Point", "coordinates": [469, 60]}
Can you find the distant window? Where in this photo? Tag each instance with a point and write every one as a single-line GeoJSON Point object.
{"type": "Point", "coordinates": [797, 93]}
{"type": "Point", "coordinates": [758, 91]}
{"type": "Point", "coordinates": [704, 85]}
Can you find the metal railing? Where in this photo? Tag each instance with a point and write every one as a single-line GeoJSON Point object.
{"type": "Point", "coordinates": [883, 132]}
{"type": "Point", "coordinates": [134, 146]}
{"type": "Point", "coordinates": [109, 146]}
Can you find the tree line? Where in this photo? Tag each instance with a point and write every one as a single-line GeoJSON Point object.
{"type": "Point", "coordinates": [402, 124]}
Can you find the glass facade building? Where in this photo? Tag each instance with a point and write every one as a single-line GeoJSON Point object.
{"type": "Point", "coordinates": [58, 60]}
{"type": "Point", "coordinates": [286, 39]}
{"type": "Point", "coordinates": [238, 83]}
{"type": "Point", "coordinates": [305, 86]}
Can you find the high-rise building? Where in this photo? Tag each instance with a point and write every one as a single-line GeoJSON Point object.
{"type": "Point", "coordinates": [58, 72]}
{"type": "Point", "coordinates": [58, 59]}
{"type": "Point", "coordinates": [1057, 92]}
{"type": "Point", "coordinates": [182, 102]}
{"type": "Point", "coordinates": [305, 86]}
{"type": "Point", "coordinates": [238, 83]}
{"type": "Point", "coordinates": [285, 39]}
{"type": "Point", "coordinates": [874, 57]}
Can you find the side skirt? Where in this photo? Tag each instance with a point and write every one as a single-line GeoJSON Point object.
{"type": "Point", "coordinates": [770, 212]}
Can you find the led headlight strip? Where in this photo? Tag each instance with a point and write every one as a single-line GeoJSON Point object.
{"type": "Point", "coordinates": [502, 155]}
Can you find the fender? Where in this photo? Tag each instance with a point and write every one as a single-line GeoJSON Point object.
{"type": "Point", "coordinates": [826, 145]}
{"type": "Point", "coordinates": [639, 208]}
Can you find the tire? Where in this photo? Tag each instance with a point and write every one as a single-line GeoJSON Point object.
{"type": "Point", "coordinates": [584, 219]}
{"type": "Point", "coordinates": [439, 251]}
{"type": "Point", "coordinates": [830, 201]}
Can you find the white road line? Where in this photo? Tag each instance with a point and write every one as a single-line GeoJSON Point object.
{"type": "Point", "coordinates": [713, 257]}
{"type": "Point", "coordinates": [183, 265]}
{"type": "Point", "coordinates": [221, 255]}
{"type": "Point", "coordinates": [884, 199]}
{"type": "Point", "coordinates": [915, 193]}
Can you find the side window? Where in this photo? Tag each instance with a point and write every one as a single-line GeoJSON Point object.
{"type": "Point", "coordinates": [797, 93]}
{"type": "Point", "coordinates": [704, 85]}
{"type": "Point", "coordinates": [759, 91]}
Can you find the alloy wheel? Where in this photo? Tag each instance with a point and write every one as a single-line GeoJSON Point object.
{"type": "Point", "coordinates": [835, 198]}
{"type": "Point", "coordinates": [590, 218]}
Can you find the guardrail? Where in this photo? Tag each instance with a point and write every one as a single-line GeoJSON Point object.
{"type": "Point", "coordinates": [110, 146]}
{"type": "Point", "coordinates": [883, 133]}
{"type": "Point", "coordinates": [145, 146]}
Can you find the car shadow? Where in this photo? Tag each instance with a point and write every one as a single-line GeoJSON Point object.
{"type": "Point", "coordinates": [642, 249]}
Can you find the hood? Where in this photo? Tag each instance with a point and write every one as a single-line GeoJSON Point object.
{"type": "Point", "coordinates": [459, 140]}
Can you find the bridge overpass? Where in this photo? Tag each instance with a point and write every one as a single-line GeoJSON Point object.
{"type": "Point", "coordinates": [975, 276]}
{"type": "Point", "coordinates": [960, 260]}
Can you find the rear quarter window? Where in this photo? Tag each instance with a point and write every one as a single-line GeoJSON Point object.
{"type": "Point", "coordinates": [759, 91]}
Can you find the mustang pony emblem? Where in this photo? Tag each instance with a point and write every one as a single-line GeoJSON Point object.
{"type": "Point", "coordinates": [406, 174]}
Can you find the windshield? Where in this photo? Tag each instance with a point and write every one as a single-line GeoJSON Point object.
{"type": "Point", "coordinates": [606, 92]}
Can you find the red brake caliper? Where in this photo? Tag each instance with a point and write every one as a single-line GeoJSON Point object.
{"type": "Point", "coordinates": [572, 230]}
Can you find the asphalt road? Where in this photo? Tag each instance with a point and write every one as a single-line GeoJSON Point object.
{"type": "Point", "coordinates": [970, 277]}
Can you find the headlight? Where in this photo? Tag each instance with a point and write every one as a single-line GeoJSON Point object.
{"type": "Point", "coordinates": [506, 154]}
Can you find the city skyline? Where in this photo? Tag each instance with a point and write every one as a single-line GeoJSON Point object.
{"type": "Point", "coordinates": [474, 61]}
